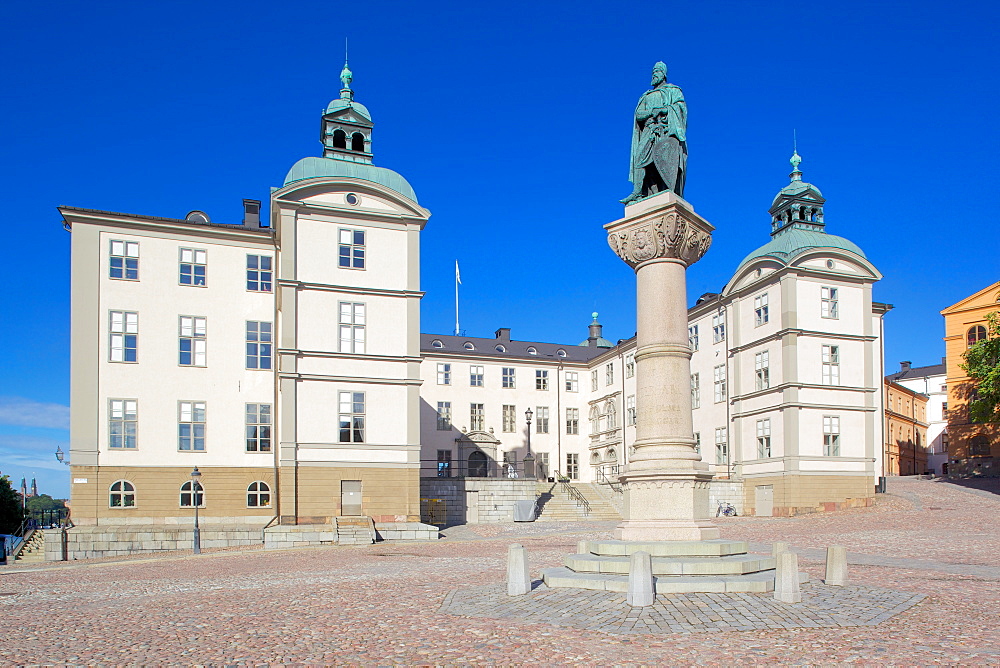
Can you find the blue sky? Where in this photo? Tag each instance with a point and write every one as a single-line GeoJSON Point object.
{"type": "Point", "coordinates": [511, 121]}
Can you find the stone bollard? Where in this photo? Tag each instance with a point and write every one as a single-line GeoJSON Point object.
{"type": "Point", "coordinates": [583, 547]}
{"type": "Point", "coordinates": [641, 590]}
{"type": "Point", "coordinates": [836, 565]}
{"type": "Point", "coordinates": [518, 579]}
{"type": "Point", "coordinates": [778, 548]}
{"type": "Point", "coordinates": [786, 578]}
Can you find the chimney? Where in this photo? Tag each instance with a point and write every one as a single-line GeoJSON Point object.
{"type": "Point", "coordinates": [251, 213]}
{"type": "Point", "coordinates": [503, 334]}
{"type": "Point", "coordinates": [904, 366]}
{"type": "Point", "coordinates": [595, 331]}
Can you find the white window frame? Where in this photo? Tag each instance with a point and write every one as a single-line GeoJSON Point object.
{"type": "Point", "coordinates": [258, 494]}
{"type": "Point", "coordinates": [721, 445]}
{"type": "Point", "coordinates": [477, 417]}
{"type": "Point", "coordinates": [593, 380]}
{"type": "Point", "coordinates": [192, 330]}
{"type": "Point", "coordinates": [259, 422]}
{"type": "Point", "coordinates": [693, 337]}
{"type": "Point", "coordinates": [189, 260]}
{"type": "Point", "coordinates": [572, 381]}
{"type": "Point", "coordinates": [630, 411]}
{"type": "Point", "coordinates": [719, 383]}
{"type": "Point", "coordinates": [830, 357]}
{"type": "Point", "coordinates": [124, 492]}
{"type": "Point", "coordinates": [477, 375]}
{"type": "Point", "coordinates": [831, 435]}
{"type": "Point", "coordinates": [509, 418]}
{"type": "Point", "coordinates": [719, 327]}
{"type": "Point", "coordinates": [195, 493]}
{"type": "Point", "coordinates": [830, 302]}
{"type": "Point", "coordinates": [761, 370]}
{"type": "Point", "coordinates": [572, 421]}
{"type": "Point", "coordinates": [761, 315]}
{"type": "Point", "coordinates": [444, 373]}
{"type": "Point", "coordinates": [127, 255]}
{"type": "Point", "coordinates": [695, 390]}
{"type": "Point", "coordinates": [260, 278]}
{"type": "Point", "coordinates": [123, 336]}
{"type": "Point", "coordinates": [630, 365]}
{"type": "Point", "coordinates": [349, 248]}
{"type": "Point", "coordinates": [351, 426]}
{"type": "Point", "coordinates": [609, 374]}
{"type": "Point", "coordinates": [542, 380]}
{"type": "Point", "coordinates": [541, 419]}
{"type": "Point", "coordinates": [260, 339]}
{"type": "Point", "coordinates": [352, 319]}
{"type": "Point", "coordinates": [123, 424]}
{"type": "Point", "coordinates": [194, 416]}
{"type": "Point", "coordinates": [509, 378]}
{"type": "Point", "coordinates": [764, 438]}
{"type": "Point", "coordinates": [444, 416]}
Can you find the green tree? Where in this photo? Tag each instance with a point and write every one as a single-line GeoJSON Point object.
{"type": "Point", "coordinates": [11, 514]}
{"type": "Point", "coordinates": [982, 363]}
{"type": "Point", "coordinates": [44, 502]}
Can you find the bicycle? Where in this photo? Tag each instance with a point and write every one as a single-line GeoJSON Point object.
{"type": "Point", "coordinates": [726, 508]}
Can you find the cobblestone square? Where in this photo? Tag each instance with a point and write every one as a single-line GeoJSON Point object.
{"type": "Point", "coordinates": [924, 571]}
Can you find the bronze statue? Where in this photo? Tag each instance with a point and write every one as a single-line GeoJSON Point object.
{"type": "Point", "coordinates": [659, 140]}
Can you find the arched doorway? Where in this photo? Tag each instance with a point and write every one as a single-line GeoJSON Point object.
{"type": "Point", "coordinates": [477, 464]}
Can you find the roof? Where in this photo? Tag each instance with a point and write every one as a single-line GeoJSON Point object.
{"type": "Point", "coordinates": [513, 349]}
{"type": "Point", "coordinates": [794, 241]}
{"type": "Point", "coordinates": [182, 221]}
{"type": "Point", "coordinates": [313, 167]}
{"type": "Point", "coordinates": [919, 372]}
{"type": "Point", "coordinates": [795, 188]}
{"type": "Point", "coordinates": [339, 103]}
{"type": "Point", "coordinates": [601, 343]}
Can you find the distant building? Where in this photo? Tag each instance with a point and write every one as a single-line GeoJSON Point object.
{"type": "Point", "coordinates": [930, 381]}
{"type": "Point", "coordinates": [974, 449]}
{"type": "Point", "coordinates": [905, 431]}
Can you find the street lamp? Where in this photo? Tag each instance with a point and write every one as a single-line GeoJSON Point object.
{"type": "Point", "coordinates": [529, 459]}
{"type": "Point", "coordinates": [195, 487]}
{"type": "Point", "coordinates": [61, 456]}
{"type": "Point", "coordinates": [527, 416]}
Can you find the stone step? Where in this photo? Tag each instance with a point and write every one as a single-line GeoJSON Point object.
{"type": "Point", "coordinates": [683, 584]}
{"type": "Point", "coordinates": [668, 548]}
{"type": "Point", "coordinates": [740, 564]}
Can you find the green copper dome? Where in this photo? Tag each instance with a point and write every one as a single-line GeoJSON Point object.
{"type": "Point", "coordinates": [311, 168]}
{"type": "Point", "coordinates": [792, 242]}
{"type": "Point", "coordinates": [340, 103]}
{"type": "Point", "coordinates": [795, 188]}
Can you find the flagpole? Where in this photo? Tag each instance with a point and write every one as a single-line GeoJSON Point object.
{"type": "Point", "coordinates": [458, 280]}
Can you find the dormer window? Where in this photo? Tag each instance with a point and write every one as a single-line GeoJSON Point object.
{"type": "Point", "coordinates": [339, 139]}
{"type": "Point", "coordinates": [468, 346]}
{"type": "Point", "coordinates": [561, 353]}
{"type": "Point", "coordinates": [501, 349]}
{"type": "Point", "coordinates": [436, 343]}
{"type": "Point", "coordinates": [532, 351]}
{"type": "Point", "coordinates": [357, 142]}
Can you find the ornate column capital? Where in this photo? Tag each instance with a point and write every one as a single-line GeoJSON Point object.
{"type": "Point", "coordinates": [670, 230]}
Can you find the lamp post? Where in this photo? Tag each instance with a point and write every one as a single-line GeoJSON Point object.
{"type": "Point", "coordinates": [529, 459]}
{"type": "Point", "coordinates": [195, 488]}
{"type": "Point", "coordinates": [61, 456]}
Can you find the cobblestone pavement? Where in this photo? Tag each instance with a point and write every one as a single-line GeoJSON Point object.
{"type": "Point", "coordinates": [380, 604]}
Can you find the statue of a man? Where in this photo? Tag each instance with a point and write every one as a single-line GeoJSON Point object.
{"type": "Point", "coordinates": [659, 140]}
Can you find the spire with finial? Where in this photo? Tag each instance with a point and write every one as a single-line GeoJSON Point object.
{"type": "Point", "coordinates": [346, 77]}
{"type": "Point", "coordinates": [799, 205]}
{"type": "Point", "coordinates": [796, 174]}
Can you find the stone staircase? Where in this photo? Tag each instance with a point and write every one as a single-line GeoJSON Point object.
{"type": "Point", "coordinates": [556, 506]}
{"type": "Point", "coordinates": [33, 550]}
{"type": "Point", "coordinates": [355, 530]}
{"type": "Point", "coordinates": [679, 567]}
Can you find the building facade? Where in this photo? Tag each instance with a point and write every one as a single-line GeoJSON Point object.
{"type": "Point", "coordinates": [974, 448]}
{"type": "Point", "coordinates": [931, 382]}
{"type": "Point", "coordinates": [905, 431]}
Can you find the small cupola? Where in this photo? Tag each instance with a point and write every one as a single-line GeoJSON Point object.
{"type": "Point", "coordinates": [346, 128]}
{"type": "Point", "coordinates": [799, 205]}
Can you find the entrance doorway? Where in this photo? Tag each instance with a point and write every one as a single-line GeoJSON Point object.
{"type": "Point", "coordinates": [477, 464]}
{"type": "Point", "coordinates": [764, 500]}
{"type": "Point", "coordinates": [350, 497]}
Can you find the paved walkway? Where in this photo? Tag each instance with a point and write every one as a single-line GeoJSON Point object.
{"type": "Point", "coordinates": [382, 604]}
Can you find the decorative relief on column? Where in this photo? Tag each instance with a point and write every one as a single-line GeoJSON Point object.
{"type": "Point", "coordinates": [665, 484]}
{"type": "Point", "coordinates": [672, 236]}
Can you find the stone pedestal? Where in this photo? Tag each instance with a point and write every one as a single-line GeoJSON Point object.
{"type": "Point", "coordinates": [665, 481]}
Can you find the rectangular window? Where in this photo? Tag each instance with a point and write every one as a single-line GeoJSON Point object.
{"type": "Point", "coordinates": [719, 377]}
{"type": "Point", "coordinates": [191, 342]}
{"type": "Point", "coordinates": [693, 337]}
{"type": "Point", "coordinates": [509, 418]}
{"type": "Point", "coordinates": [444, 464]}
{"type": "Point", "coordinates": [475, 376]}
{"type": "Point", "coordinates": [629, 365]}
{"type": "Point", "coordinates": [630, 411]}
{"type": "Point", "coordinates": [508, 377]}
{"type": "Point", "coordinates": [352, 327]}
{"type": "Point", "coordinates": [258, 419]}
{"type": "Point", "coordinates": [719, 327]}
{"type": "Point", "coordinates": [259, 273]}
{"type": "Point", "coordinates": [697, 442]}
{"type": "Point", "coordinates": [831, 365]}
{"type": "Point", "coordinates": [572, 421]}
{"type": "Point", "coordinates": [760, 315]}
{"type": "Point", "coordinates": [444, 374]}
{"type": "Point", "coordinates": [258, 345]}
{"type": "Point", "coordinates": [542, 420]}
{"type": "Point", "coordinates": [476, 417]}
{"type": "Point", "coordinates": [830, 305]}
{"type": "Point", "coordinates": [593, 380]}
{"type": "Point", "coordinates": [352, 417]}
{"type": "Point", "coordinates": [762, 370]}
{"type": "Point", "coordinates": [124, 260]}
{"type": "Point", "coordinates": [191, 426]}
{"type": "Point", "coordinates": [352, 249]}
{"type": "Point", "coordinates": [609, 374]}
{"type": "Point", "coordinates": [572, 381]}
{"type": "Point", "coordinates": [193, 266]}
{"type": "Point", "coordinates": [763, 439]}
{"type": "Point", "coordinates": [696, 390]}
{"type": "Point", "coordinates": [541, 379]}
{"type": "Point", "coordinates": [721, 446]}
{"type": "Point", "coordinates": [572, 466]}
{"type": "Point", "coordinates": [123, 424]}
{"type": "Point", "coordinates": [831, 435]}
{"type": "Point", "coordinates": [444, 416]}
{"type": "Point", "coordinates": [124, 336]}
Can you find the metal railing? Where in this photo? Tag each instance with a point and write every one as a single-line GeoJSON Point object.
{"type": "Point", "coordinates": [603, 479]}
{"type": "Point", "coordinates": [572, 492]}
{"type": "Point", "coordinates": [489, 468]}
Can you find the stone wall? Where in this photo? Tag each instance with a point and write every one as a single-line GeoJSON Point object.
{"type": "Point", "coordinates": [445, 501]}
{"type": "Point", "coordinates": [89, 542]}
{"type": "Point", "coordinates": [730, 491]}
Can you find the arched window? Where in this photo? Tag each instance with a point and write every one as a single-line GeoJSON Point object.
{"type": "Point", "coordinates": [198, 494]}
{"type": "Point", "coordinates": [121, 494]}
{"type": "Point", "coordinates": [477, 464]}
{"type": "Point", "coordinates": [561, 353]}
{"type": "Point", "coordinates": [339, 139]}
{"type": "Point", "coordinates": [469, 346]}
{"type": "Point", "coordinates": [357, 142]}
{"type": "Point", "coordinates": [501, 349]}
{"type": "Point", "coordinates": [612, 456]}
{"type": "Point", "coordinates": [612, 416]}
{"type": "Point", "coordinates": [976, 334]}
{"type": "Point", "coordinates": [532, 351]}
{"type": "Point", "coordinates": [436, 343]}
{"type": "Point", "coordinates": [595, 457]}
{"type": "Point", "coordinates": [258, 495]}
{"type": "Point", "coordinates": [595, 419]}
